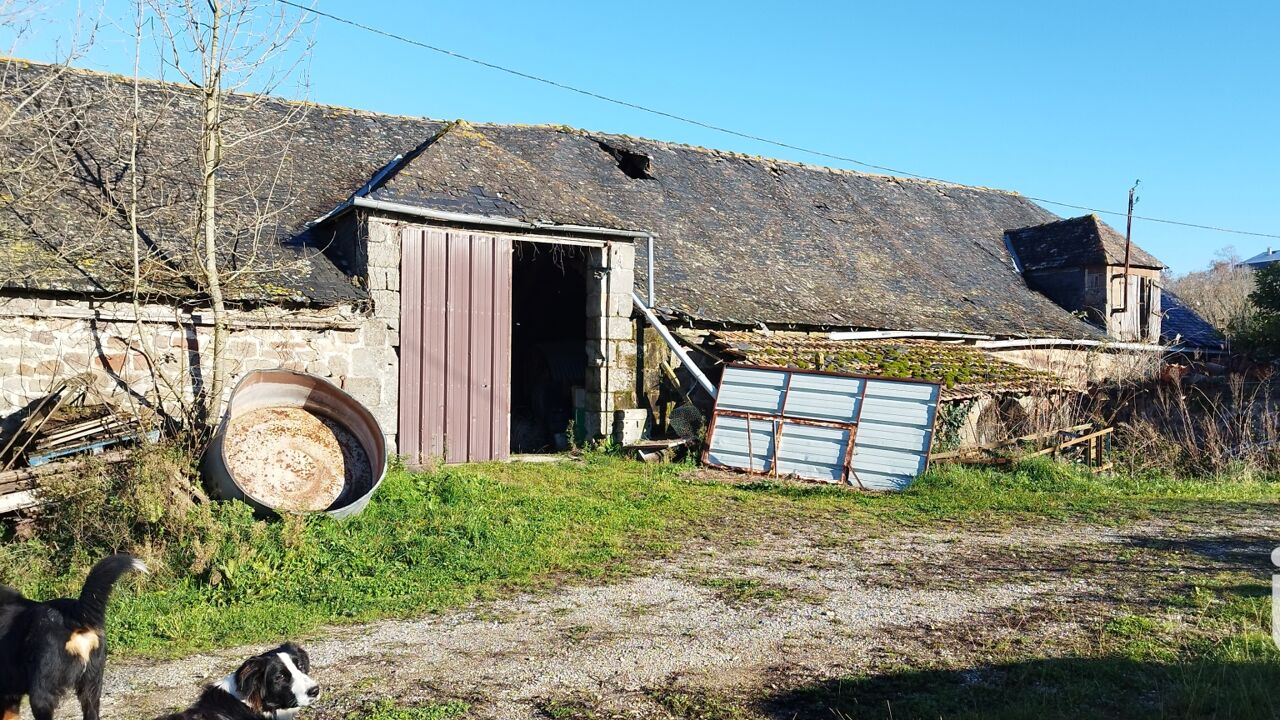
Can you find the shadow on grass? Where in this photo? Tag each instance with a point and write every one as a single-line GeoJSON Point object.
{"type": "Point", "coordinates": [1067, 688]}
{"type": "Point", "coordinates": [1232, 552]}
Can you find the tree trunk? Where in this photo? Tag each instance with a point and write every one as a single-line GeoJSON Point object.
{"type": "Point", "coordinates": [211, 146]}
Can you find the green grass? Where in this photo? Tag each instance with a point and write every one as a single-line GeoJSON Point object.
{"type": "Point", "coordinates": [1036, 488]}
{"type": "Point", "coordinates": [691, 704]}
{"type": "Point", "coordinates": [434, 541]}
{"type": "Point", "coordinates": [387, 710]}
{"type": "Point", "coordinates": [741, 590]}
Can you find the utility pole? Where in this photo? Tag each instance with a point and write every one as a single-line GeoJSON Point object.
{"type": "Point", "coordinates": [1128, 243]}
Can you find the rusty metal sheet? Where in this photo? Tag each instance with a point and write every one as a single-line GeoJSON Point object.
{"type": "Point", "coordinates": [872, 432]}
{"type": "Point", "coordinates": [480, 353]}
{"type": "Point", "coordinates": [434, 357]}
{"type": "Point", "coordinates": [501, 415]}
{"type": "Point", "coordinates": [457, 343]}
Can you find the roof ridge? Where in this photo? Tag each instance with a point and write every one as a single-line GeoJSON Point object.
{"type": "Point", "coordinates": [570, 130]}
{"type": "Point", "coordinates": [567, 129]}
{"type": "Point", "coordinates": [90, 72]}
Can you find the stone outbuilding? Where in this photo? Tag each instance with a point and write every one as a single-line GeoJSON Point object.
{"type": "Point", "coordinates": [481, 288]}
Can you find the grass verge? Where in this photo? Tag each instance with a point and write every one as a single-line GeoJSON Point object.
{"type": "Point", "coordinates": [434, 541]}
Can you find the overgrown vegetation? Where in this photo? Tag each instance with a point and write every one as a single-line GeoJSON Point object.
{"type": "Point", "coordinates": [433, 541]}
{"type": "Point", "coordinates": [1261, 336]}
{"type": "Point", "coordinates": [1227, 428]}
{"type": "Point", "coordinates": [1219, 293]}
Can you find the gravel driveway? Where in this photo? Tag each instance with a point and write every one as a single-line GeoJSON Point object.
{"type": "Point", "coordinates": [734, 612]}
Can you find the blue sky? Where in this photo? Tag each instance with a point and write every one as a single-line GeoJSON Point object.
{"type": "Point", "coordinates": [1066, 101]}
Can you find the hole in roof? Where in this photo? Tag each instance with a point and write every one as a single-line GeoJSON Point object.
{"type": "Point", "coordinates": [634, 165]}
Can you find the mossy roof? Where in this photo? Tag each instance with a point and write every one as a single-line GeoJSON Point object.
{"type": "Point", "coordinates": [963, 371]}
{"type": "Point", "coordinates": [741, 240]}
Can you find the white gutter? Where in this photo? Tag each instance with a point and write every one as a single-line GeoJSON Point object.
{"type": "Point", "coordinates": [649, 276]}
{"type": "Point", "coordinates": [671, 342]}
{"type": "Point", "coordinates": [989, 343]}
{"type": "Point", "coordinates": [886, 334]}
{"type": "Point", "coordinates": [1061, 342]}
{"type": "Point", "coordinates": [467, 218]}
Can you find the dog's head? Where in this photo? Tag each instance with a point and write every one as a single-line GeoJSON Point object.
{"type": "Point", "coordinates": [276, 680]}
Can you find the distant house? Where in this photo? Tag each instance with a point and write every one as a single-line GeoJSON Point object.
{"type": "Point", "coordinates": [1262, 259]}
{"type": "Point", "coordinates": [1080, 264]}
{"type": "Point", "coordinates": [478, 286]}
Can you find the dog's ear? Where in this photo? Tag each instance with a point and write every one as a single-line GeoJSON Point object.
{"type": "Point", "coordinates": [251, 681]}
{"type": "Point", "coordinates": [300, 657]}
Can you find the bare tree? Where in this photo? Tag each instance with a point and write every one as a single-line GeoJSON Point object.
{"type": "Point", "coordinates": [220, 47]}
{"type": "Point", "coordinates": [1220, 293]}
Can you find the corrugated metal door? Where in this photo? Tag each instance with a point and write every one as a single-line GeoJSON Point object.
{"type": "Point", "coordinates": [874, 432]}
{"type": "Point", "coordinates": [455, 346]}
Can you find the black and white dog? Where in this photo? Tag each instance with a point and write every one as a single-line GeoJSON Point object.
{"type": "Point", "coordinates": [272, 685]}
{"type": "Point", "coordinates": [48, 648]}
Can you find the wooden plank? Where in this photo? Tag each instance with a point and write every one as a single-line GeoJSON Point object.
{"type": "Point", "coordinates": [14, 502]}
{"type": "Point", "coordinates": [63, 466]}
{"type": "Point", "coordinates": [1071, 442]}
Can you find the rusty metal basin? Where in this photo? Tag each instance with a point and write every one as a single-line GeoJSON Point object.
{"type": "Point", "coordinates": [295, 443]}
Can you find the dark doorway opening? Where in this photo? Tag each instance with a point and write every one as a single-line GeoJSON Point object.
{"type": "Point", "coordinates": [548, 344]}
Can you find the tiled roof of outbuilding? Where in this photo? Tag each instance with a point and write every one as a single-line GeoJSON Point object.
{"type": "Point", "coordinates": [745, 240]}
{"type": "Point", "coordinates": [1182, 325]}
{"type": "Point", "coordinates": [963, 371]}
{"type": "Point", "coordinates": [1075, 242]}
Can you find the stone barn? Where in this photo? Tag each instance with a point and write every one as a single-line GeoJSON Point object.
{"type": "Point", "coordinates": [481, 288]}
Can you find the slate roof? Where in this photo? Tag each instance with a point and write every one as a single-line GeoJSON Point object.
{"type": "Point", "coordinates": [963, 371]}
{"type": "Point", "coordinates": [1263, 259]}
{"type": "Point", "coordinates": [1075, 242]}
{"type": "Point", "coordinates": [745, 240]}
{"type": "Point", "coordinates": [72, 235]}
{"type": "Point", "coordinates": [740, 240]}
{"type": "Point", "coordinates": [1182, 325]}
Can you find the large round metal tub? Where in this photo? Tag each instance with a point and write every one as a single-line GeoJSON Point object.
{"type": "Point", "coordinates": [289, 440]}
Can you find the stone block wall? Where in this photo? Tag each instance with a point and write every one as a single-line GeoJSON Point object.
{"type": "Point", "coordinates": [148, 358]}
{"type": "Point", "coordinates": [611, 336]}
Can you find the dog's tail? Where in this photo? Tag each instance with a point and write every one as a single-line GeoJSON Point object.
{"type": "Point", "coordinates": [92, 607]}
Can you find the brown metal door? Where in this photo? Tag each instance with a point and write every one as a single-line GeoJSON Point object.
{"type": "Point", "coordinates": [455, 346]}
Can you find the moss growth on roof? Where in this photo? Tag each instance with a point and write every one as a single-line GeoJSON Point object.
{"type": "Point", "coordinates": [962, 370]}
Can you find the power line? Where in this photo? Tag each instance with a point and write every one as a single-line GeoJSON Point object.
{"type": "Point", "coordinates": [720, 128]}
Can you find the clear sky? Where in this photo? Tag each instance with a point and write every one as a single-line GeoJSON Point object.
{"type": "Point", "coordinates": [1070, 101]}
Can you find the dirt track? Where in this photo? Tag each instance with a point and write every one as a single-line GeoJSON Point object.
{"type": "Point", "coordinates": [802, 602]}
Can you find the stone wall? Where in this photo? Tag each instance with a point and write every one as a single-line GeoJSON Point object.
{"type": "Point", "coordinates": [151, 359]}
{"type": "Point", "coordinates": [611, 343]}
{"type": "Point", "coordinates": [1082, 367]}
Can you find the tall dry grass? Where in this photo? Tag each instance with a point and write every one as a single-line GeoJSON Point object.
{"type": "Point", "coordinates": [1208, 428]}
